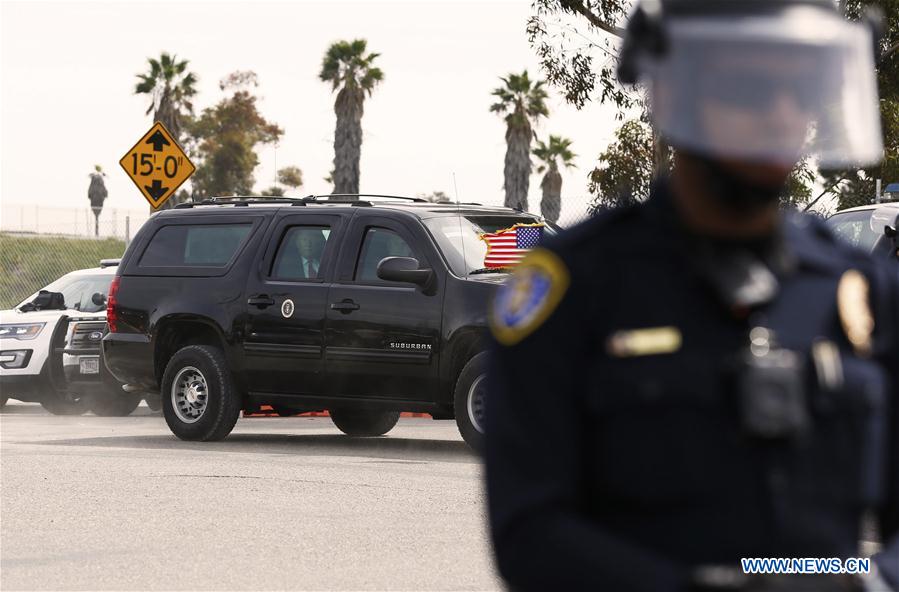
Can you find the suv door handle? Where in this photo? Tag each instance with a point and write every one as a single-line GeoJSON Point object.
{"type": "Point", "coordinates": [260, 300]}
{"type": "Point", "coordinates": [345, 306]}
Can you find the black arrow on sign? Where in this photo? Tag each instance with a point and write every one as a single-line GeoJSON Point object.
{"type": "Point", "coordinates": [156, 190]}
{"type": "Point", "coordinates": [158, 141]}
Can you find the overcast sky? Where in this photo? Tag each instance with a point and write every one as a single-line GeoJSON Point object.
{"type": "Point", "coordinates": [68, 75]}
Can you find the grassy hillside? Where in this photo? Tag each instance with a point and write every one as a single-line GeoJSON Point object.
{"type": "Point", "coordinates": [30, 262]}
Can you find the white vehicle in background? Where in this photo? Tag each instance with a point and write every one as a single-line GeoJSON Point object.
{"type": "Point", "coordinates": [36, 338]}
{"type": "Point", "coordinates": [872, 228]}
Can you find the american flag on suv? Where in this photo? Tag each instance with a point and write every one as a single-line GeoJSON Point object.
{"type": "Point", "coordinates": [506, 248]}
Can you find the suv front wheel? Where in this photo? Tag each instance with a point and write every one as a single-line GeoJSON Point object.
{"type": "Point", "coordinates": [199, 398]}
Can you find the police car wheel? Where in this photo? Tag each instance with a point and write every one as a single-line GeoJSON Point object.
{"type": "Point", "coordinates": [60, 404]}
{"type": "Point", "coordinates": [199, 398]}
{"type": "Point", "coordinates": [364, 423]}
{"type": "Point", "coordinates": [114, 404]}
{"type": "Point", "coordinates": [469, 399]}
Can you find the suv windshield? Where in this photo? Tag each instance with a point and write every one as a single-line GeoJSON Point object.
{"type": "Point", "coordinates": [78, 290]}
{"type": "Point", "coordinates": [855, 228]}
{"type": "Point", "coordinates": [459, 238]}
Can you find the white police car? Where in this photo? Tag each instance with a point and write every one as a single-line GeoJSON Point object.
{"type": "Point", "coordinates": [872, 228]}
{"type": "Point", "coordinates": [35, 329]}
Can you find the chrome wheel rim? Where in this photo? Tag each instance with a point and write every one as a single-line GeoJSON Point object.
{"type": "Point", "coordinates": [476, 402]}
{"type": "Point", "coordinates": [190, 394]}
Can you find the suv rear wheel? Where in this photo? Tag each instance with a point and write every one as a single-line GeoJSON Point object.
{"type": "Point", "coordinates": [469, 399]}
{"type": "Point", "coordinates": [199, 398]}
{"type": "Point", "coordinates": [366, 423]}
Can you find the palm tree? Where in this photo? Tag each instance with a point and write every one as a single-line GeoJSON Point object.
{"type": "Point", "coordinates": [550, 154]}
{"type": "Point", "coordinates": [348, 68]}
{"type": "Point", "coordinates": [171, 88]}
{"type": "Point", "coordinates": [96, 192]}
{"type": "Point", "coordinates": [522, 102]}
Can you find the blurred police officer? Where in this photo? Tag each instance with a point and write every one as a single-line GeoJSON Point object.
{"type": "Point", "coordinates": [703, 377]}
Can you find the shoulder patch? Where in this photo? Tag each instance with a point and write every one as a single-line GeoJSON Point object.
{"type": "Point", "coordinates": [528, 297]}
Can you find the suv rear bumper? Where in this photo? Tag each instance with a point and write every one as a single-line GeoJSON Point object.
{"type": "Point", "coordinates": [129, 357]}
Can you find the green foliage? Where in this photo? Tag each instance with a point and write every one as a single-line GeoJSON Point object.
{"type": "Point", "coordinates": [29, 263]}
{"type": "Point", "coordinates": [857, 188]}
{"type": "Point", "coordinates": [798, 189]}
{"type": "Point", "coordinates": [624, 170]}
{"type": "Point", "coordinates": [273, 191]}
{"type": "Point", "coordinates": [347, 65]}
{"type": "Point", "coordinates": [226, 137]}
{"type": "Point", "coordinates": [550, 153]}
{"type": "Point", "coordinates": [171, 88]}
{"type": "Point", "coordinates": [290, 176]}
{"type": "Point", "coordinates": [521, 100]}
{"type": "Point", "coordinates": [436, 197]}
{"type": "Point", "coordinates": [577, 44]}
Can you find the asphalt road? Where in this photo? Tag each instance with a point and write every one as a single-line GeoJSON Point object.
{"type": "Point", "coordinates": [91, 503]}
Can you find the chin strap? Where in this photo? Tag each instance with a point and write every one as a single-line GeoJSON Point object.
{"type": "Point", "coordinates": [733, 190]}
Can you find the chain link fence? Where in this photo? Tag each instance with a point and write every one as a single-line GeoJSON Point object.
{"type": "Point", "coordinates": [38, 244]}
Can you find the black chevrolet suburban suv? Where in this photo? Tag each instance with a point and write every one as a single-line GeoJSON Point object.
{"type": "Point", "coordinates": [365, 308]}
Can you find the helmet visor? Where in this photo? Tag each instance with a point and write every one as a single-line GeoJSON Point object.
{"type": "Point", "coordinates": [769, 88]}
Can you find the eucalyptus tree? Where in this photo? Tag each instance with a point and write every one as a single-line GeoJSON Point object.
{"type": "Point", "coordinates": [551, 154]}
{"type": "Point", "coordinates": [522, 102]}
{"type": "Point", "coordinates": [350, 70]}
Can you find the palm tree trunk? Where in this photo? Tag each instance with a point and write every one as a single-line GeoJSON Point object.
{"type": "Point", "coordinates": [551, 204]}
{"type": "Point", "coordinates": [347, 140]}
{"type": "Point", "coordinates": [517, 169]}
{"type": "Point", "coordinates": [166, 114]}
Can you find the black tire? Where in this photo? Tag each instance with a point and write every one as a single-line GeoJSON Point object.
{"type": "Point", "coordinates": [114, 404]}
{"type": "Point", "coordinates": [3, 401]}
{"type": "Point", "coordinates": [468, 400]}
{"type": "Point", "coordinates": [60, 404]}
{"type": "Point", "coordinates": [203, 375]}
{"type": "Point", "coordinates": [364, 423]}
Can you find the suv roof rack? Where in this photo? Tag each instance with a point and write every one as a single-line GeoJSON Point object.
{"type": "Point", "coordinates": [243, 201]}
{"type": "Point", "coordinates": [109, 262]}
{"type": "Point", "coordinates": [331, 196]}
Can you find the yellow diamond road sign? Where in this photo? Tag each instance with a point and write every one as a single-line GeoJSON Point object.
{"type": "Point", "coordinates": [157, 165]}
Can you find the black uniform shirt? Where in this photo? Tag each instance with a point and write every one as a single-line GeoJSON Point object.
{"type": "Point", "coordinates": [615, 454]}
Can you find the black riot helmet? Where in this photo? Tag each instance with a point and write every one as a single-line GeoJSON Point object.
{"type": "Point", "coordinates": [757, 80]}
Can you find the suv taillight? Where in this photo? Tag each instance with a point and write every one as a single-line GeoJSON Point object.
{"type": "Point", "coordinates": [111, 314]}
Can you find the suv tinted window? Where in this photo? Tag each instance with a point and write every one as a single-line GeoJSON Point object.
{"type": "Point", "coordinates": [378, 244]}
{"type": "Point", "coordinates": [182, 245]}
{"type": "Point", "coordinates": [300, 253]}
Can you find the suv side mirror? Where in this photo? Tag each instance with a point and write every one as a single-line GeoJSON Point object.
{"type": "Point", "coordinates": [98, 299]}
{"type": "Point", "coordinates": [49, 301]}
{"type": "Point", "coordinates": [404, 269]}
